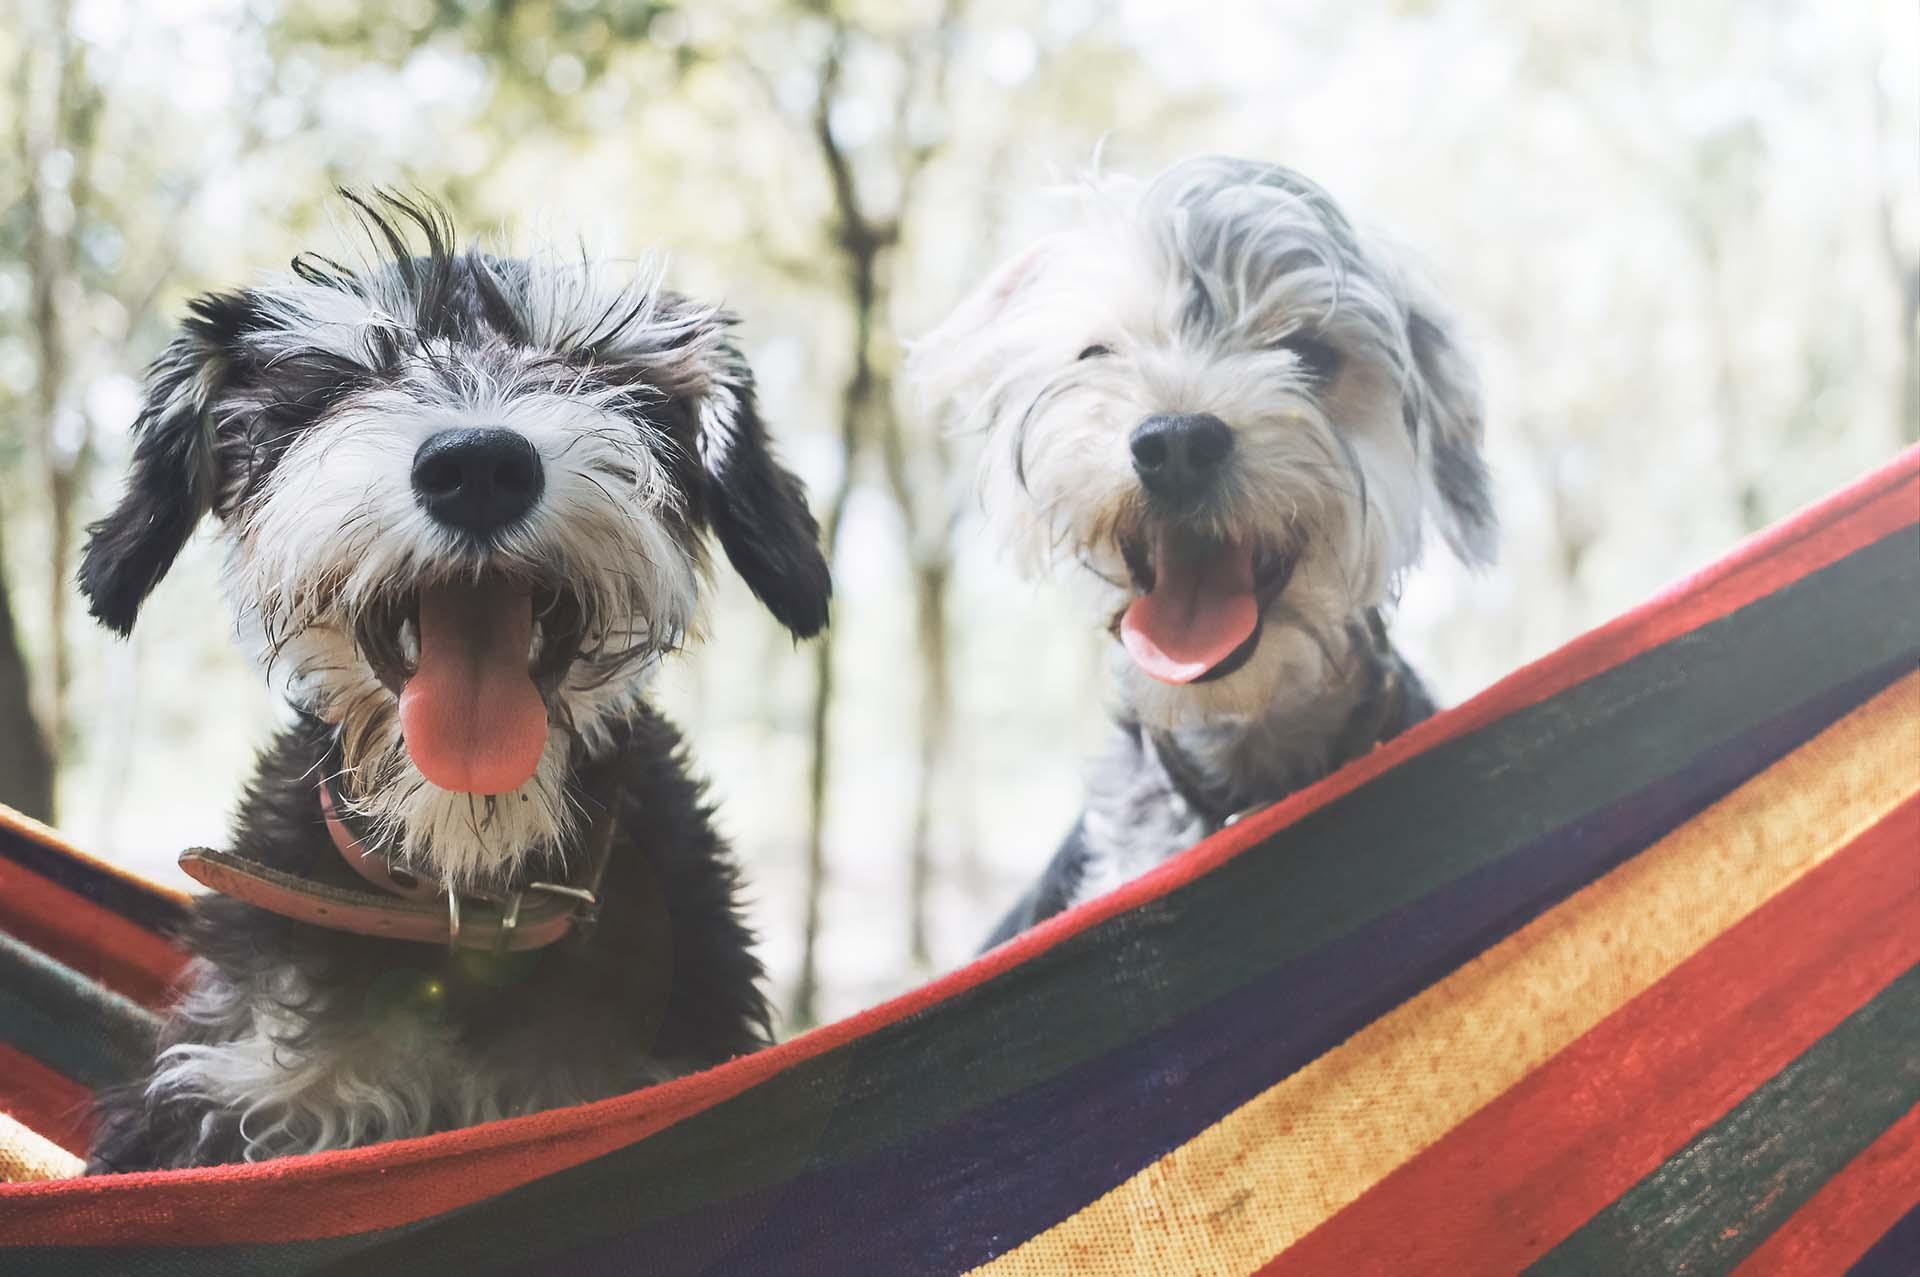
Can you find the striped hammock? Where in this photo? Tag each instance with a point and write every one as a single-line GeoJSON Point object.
{"type": "Point", "coordinates": [1613, 969]}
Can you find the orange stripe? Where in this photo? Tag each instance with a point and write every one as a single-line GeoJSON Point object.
{"type": "Point", "coordinates": [1851, 1212]}
{"type": "Point", "coordinates": [1513, 1180]}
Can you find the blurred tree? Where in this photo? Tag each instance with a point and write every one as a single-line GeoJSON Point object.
{"type": "Point", "coordinates": [1903, 268]}
{"type": "Point", "coordinates": [537, 63]}
{"type": "Point", "coordinates": [865, 239]}
{"type": "Point", "coordinates": [26, 765]}
{"type": "Point", "coordinates": [1659, 217]}
{"type": "Point", "coordinates": [97, 224]}
{"type": "Point", "coordinates": [59, 112]}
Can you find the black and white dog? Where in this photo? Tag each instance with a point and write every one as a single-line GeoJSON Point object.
{"type": "Point", "coordinates": [464, 499]}
{"type": "Point", "coordinates": [1228, 416]}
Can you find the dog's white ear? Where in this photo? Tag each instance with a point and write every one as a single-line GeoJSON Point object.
{"type": "Point", "coordinates": [758, 508]}
{"type": "Point", "coordinates": [1447, 417]}
{"type": "Point", "coordinates": [171, 480]}
{"type": "Point", "coordinates": [960, 351]}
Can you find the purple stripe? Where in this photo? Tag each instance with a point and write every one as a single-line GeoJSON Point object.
{"type": "Point", "coordinates": [958, 1195]}
{"type": "Point", "coordinates": [1897, 1254]}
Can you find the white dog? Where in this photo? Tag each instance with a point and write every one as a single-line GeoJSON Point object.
{"type": "Point", "coordinates": [1228, 415]}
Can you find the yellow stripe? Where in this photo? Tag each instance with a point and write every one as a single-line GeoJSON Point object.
{"type": "Point", "coordinates": [1255, 1182]}
{"type": "Point", "coordinates": [26, 1155]}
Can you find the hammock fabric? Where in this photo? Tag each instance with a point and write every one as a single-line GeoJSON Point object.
{"type": "Point", "coordinates": [1613, 969]}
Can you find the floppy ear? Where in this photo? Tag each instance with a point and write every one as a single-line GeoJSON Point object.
{"type": "Point", "coordinates": [956, 355]}
{"type": "Point", "coordinates": [758, 508]}
{"type": "Point", "coordinates": [1444, 411]}
{"type": "Point", "coordinates": [170, 482]}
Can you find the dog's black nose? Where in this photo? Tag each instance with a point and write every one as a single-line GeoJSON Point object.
{"type": "Point", "coordinates": [477, 479]}
{"type": "Point", "coordinates": [1178, 456]}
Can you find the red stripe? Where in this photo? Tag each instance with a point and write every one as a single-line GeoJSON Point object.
{"type": "Point", "coordinates": [1851, 1212]}
{"type": "Point", "coordinates": [42, 1100]}
{"type": "Point", "coordinates": [1523, 1173]}
{"type": "Point", "coordinates": [397, 1183]}
{"type": "Point", "coordinates": [93, 940]}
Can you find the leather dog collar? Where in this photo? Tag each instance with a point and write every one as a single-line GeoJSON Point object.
{"type": "Point", "coordinates": [411, 906]}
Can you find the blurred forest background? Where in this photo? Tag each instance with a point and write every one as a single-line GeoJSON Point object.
{"type": "Point", "coordinates": [1687, 237]}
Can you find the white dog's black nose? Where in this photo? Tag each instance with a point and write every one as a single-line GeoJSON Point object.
{"type": "Point", "coordinates": [477, 479]}
{"type": "Point", "coordinates": [1178, 456]}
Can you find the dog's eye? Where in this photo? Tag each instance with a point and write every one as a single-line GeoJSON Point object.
{"type": "Point", "coordinates": [1318, 359]}
{"type": "Point", "coordinates": [1095, 352]}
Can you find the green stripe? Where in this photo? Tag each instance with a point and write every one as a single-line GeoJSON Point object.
{"type": "Point", "coordinates": [72, 1024]}
{"type": "Point", "coordinates": [1717, 1199]}
{"type": "Point", "coordinates": [1398, 838]}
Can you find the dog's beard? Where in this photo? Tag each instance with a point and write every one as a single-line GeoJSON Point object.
{"type": "Point", "coordinates": [585, 687]}
{"type": "Point", "coordinates": [330, 569]}
{"type": "Point", "coordinates": [465, 839]}
{"type": "Point", "coordinates": [1310, 530]}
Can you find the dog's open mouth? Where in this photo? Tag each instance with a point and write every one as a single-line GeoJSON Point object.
{"type": "Point", "coordinates": [473, 661]}
{"type": "Point", "coordinates": [1197, 612]}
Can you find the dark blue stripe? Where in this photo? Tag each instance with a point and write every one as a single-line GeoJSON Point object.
{"type": "Point", "coordinates": [1897, 1254]}
{"type": "Point", "coordinates": [1033, 1159]}
{"type": "Point", "coordinates": [146, 906]}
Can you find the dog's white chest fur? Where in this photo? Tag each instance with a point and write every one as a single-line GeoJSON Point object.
{"type": "Point", "coordinates": [304, 1083]}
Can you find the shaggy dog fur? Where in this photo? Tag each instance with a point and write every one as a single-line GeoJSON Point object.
{"type": "Point", "coordinates": [299, 413]}
{"type": "Point", "coordinates": [1213, 387]}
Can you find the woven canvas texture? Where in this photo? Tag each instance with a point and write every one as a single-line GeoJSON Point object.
{"type": "Point", "coordinates": [1613, 969]}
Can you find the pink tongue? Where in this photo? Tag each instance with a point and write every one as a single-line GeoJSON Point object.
{"type": "Point", "coordinates": [474, 721]}
{"type": "Point", "coordinates": [1200, 610]}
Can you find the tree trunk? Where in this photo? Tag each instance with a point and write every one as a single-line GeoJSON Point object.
{"type": "Point", "coordinates": [1906, 279]}
{"type": "Point", "coordinates": [46, 135]}
{"type": "Point", "coordinates": [804, 1010]}
{"type": "Point", "coordinates": [26, 766]}
{"type": "Point", "coordinates": [936, 715]}
{"type": "Point", "coordinates": [1910, 366]}
{"type": "Point", "coordinates": [1904, 270]}
{"type": "Point", "coordinates": [855, 400]}
{"type": "Point", "coordinates": [863, 241]}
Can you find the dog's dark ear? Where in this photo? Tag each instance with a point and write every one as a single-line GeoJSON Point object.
{"type": "Point", "coordinates": [758, 508]}
{"type": "Point", "coordinates": [170, 483]}
{"type": "Point", "coordinates": [1444, 411]}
